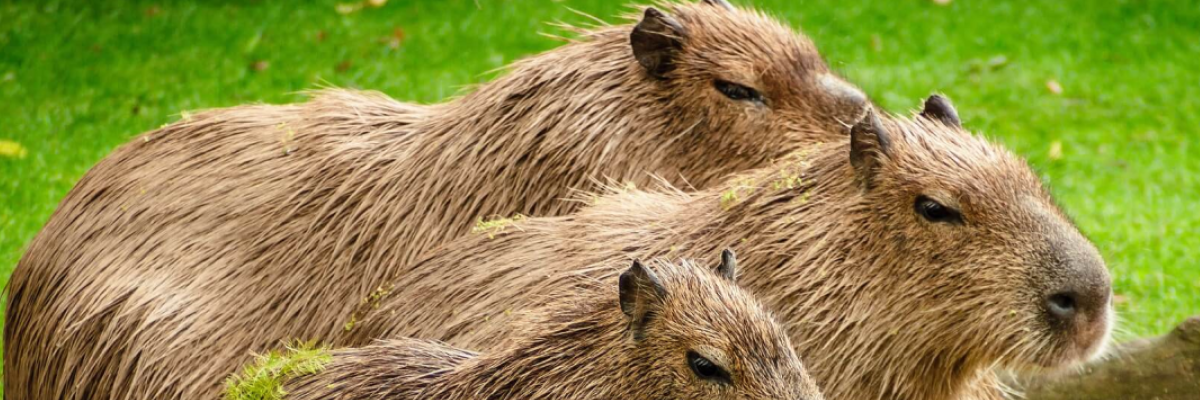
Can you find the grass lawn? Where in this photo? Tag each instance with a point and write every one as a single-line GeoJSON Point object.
{"type": "Point", "coordinates": [1100, 96]}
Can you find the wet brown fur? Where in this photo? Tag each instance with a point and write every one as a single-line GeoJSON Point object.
{"type": "Point", "coordinates": [225, 232]}
{"type": "Point", "coordinates": [581, 346]}
{"type": "Point", "coordinates": [883, 304]}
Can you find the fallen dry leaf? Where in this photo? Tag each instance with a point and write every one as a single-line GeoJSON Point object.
{"type": "Point", "coordinates": [347, 8]}
{"type": "Point", "coordinates": [393, 41]}
{"type": "Point", "coordinates": [1054, 87]}
{"type": "Point", "coordinates": [1056, 150]}
{"type": "Point", "coordinates": [260, 65]}
{"type": "Point", "coordinates": [11, 149]}
{"type": "Point", "coordinates": [996, 62]}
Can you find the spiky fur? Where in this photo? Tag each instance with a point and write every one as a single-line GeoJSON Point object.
{"type": "Point", "coordinates": [199, 243]}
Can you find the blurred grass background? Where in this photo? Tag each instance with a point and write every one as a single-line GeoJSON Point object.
{"type": "Point", "coordinates": [1100, 96]}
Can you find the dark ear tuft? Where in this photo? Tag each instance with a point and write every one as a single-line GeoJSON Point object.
{"type": "Point", "coordinates": [728, 266]}
{"type": "Point", "coordinates": [869, 145]}
{"type": "Point", "coordinates": [655, 41]}
{"type": "Point", "coordinates": [720, 3]}
{"type": "Point", "coordinates": [640, 291]}
{"type": "Point", "coordinates": [938, 108]}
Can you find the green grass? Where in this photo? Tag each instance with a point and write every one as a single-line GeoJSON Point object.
{"type": "Point", "coordinates": [78, 78]}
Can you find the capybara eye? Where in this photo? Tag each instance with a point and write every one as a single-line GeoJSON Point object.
{"type": "Point", "coordinates": [706, 369]}
{"type": "Point", "coordinates": [737, 92]}
{"type": "Point", "coordinates": [933, 211]}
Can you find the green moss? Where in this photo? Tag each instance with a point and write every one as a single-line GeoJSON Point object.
{"type": "Point", "coordinates": [741, 188]}
{"type": "Point", "coordinates": [264, 379]}
{"type": "Point", "coordinates": [802, 198]}
{"type": "Point", "coordinates": [789, 176]}
{"type": "Point", "coordinates": [495, 226]}
{"type": "Point", "coordinates": [791, 169]}
{"type": "Point", "coordinates": [788, 179]}
{"type": "Point", "coordinates": [287, 137]}
{"type": "Point", "coordinates": [378, 295]}
{"type": "Point", "coordinates": [367, 304]}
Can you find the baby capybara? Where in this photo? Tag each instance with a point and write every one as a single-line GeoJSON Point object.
{"type": "Point", "coordinates": [197, 243]}
{"type": "Point", "coordinates": [907, 260]}
{"type": "Point", "coordinates": [658, 332]}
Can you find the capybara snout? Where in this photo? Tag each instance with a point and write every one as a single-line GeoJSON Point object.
{"type": "Point", "coordinates": [1076, 298]}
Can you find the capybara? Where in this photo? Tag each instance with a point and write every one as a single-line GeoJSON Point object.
{"type": "Point", "coordinates": [200, 242]}
{"type": "Point", "coordinates": [908, 261]}
{"type": "Point", "coordinates": [660, 331]}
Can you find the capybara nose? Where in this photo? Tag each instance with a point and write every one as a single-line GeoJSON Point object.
{"type": "Point", "coordinates": [1077, 291]}
{"type": "Point", "coordinates": [1077, 308]}
{"type": "Point", "coordinates": [1061, 306]}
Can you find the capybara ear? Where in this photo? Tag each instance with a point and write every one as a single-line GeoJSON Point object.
{"type": "Point", "coordinates": [656, 40]}
{"type": "Point", "coordinates": [640, 291]}
{"type": "Point", "coordinates": [728, 266]}
{"type": "Point", "coordinates": [720, 3]}
{"type": "Point", "coordinates": [938, 108]}
{"type": "Point", "coordinates": [869, 145]}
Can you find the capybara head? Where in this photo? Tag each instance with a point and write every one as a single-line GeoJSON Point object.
{"type": "Point", "coordinates": [958, 238]}
{"type": "Point", "coordinates": [700, 337]}
{"type": "Point", "coordinates": [1006, 257]}
{"type": "Point", "coordinates": [915, 246]}
{"type": "Point", "coordinates": [746, 74]}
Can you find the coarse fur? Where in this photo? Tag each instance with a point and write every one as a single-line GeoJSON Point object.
{"type": "Point", "coordinates": [884, 304]}
{"type": "Point", "coordinates": [197, 243]}
{"type": "Point", "coordinates": [580, 345]}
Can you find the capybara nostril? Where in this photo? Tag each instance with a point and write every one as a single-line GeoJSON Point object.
{"type": "Point", "coordinates": [1078, 308]}
{"type": "Point", "coordinates": [1061, 306]}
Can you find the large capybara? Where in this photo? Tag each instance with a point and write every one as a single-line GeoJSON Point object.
{"type": "Point", "coordinates": [662, 331]}
{"type": "Point", "coordinates": [197, 243]}
{"type": "Point", "coordinates": [908, 261]}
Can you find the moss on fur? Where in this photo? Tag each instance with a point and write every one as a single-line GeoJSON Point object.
{"type": "Point", "coordinates": [264, 379]}
{"type": "Point", "coordinates": [495, 226]}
